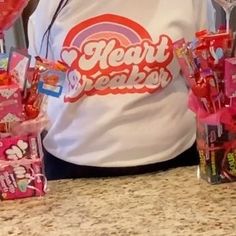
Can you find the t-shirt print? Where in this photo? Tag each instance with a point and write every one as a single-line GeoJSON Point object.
{"type": "Point", "coordinates": [111, 54]}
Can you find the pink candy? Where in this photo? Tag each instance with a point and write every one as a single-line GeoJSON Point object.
{"type": "Point", "coordinates": [10, 104]}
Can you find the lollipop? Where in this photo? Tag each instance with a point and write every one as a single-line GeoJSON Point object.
{"type": "Point", "coordinates": [10, 11]}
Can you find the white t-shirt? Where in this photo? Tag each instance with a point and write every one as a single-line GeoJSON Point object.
{"type": "Point", "coordinates": [126, 103]}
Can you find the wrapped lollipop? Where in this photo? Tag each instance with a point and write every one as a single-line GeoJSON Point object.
{"type": "Point", "coordinates": [186, 61]}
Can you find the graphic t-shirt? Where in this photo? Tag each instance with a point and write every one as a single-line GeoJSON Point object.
{"type": "Point", "coordinates": [126, 103]}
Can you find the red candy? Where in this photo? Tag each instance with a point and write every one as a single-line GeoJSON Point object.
{"type": "Point", "coordinates": [5, 79]}
{"type": "Point", "coordinates": [31, 111]}
{"type": "Point", "coordinates": [201, 89]}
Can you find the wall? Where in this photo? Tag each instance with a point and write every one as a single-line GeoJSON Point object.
{"type": "Point", "coordinates": [15, 36]}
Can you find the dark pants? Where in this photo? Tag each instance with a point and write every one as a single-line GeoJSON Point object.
{"type": "Point", "coordinates": [59, 169]}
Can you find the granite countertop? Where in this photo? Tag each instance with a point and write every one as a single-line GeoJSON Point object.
{"type": "Point", "coordinates": [169, 203]}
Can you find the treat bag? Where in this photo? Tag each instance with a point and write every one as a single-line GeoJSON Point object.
{"type": "Point", "coordinates": [21, 167]}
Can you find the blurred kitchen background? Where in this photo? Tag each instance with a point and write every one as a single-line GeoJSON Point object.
{"type": "Point", "coordinates": [17, 35]}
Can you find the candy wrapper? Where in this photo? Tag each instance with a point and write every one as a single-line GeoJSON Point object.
{"type": "Point", "coordinates": [3, 61]}
{"type": "Point", "coordinates": [209, 68]}
{"type": "Point", "coordinates": [21, 167]}
{"type": "Point", "coordinates": [11, 107]}
{"type": "Point", "coordinates": [217, 152]}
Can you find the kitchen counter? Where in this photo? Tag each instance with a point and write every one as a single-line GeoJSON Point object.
{"type": "Point", "coordinates": [157, 204]}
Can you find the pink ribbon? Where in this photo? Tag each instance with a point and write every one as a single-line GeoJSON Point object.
{"type": "Point", "coordinates": [30, 126]}
{"type": "Point", "coordinates": [222, 116]}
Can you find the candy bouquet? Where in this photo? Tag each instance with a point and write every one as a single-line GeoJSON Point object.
{"type": "Point", "coordinates": [208, 64]}
{"type": "Point", "coordinates": [23, 95]}
{"type": "Point", "coordinates": [23, 99]}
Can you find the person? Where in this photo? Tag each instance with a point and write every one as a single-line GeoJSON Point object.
{"type": "Point", "coordinates": [125, 110]}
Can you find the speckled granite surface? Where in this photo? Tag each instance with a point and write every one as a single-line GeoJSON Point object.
{"type": "Point", "coordinates": [169, 203]}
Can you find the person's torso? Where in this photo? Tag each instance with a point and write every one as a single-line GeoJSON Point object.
{"type": "Point", "coordinates": [126, 103]}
